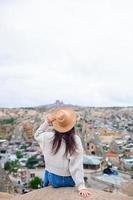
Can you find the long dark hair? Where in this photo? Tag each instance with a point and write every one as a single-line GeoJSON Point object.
{"type": "Point", "coordinates": [69, 140]}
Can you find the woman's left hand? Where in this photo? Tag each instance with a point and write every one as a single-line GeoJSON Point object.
{"type": "Point", "coordinates": [84, 192]}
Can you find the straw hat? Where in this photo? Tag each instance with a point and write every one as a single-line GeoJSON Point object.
{"type": "Point", "coordinates": [65, 119]}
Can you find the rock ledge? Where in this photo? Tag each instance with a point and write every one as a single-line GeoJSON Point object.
{"type": "Point", "coordinates": [50, 193]}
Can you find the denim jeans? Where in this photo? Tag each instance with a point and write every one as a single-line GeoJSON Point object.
{"type": "Point", "coordinates": [57, 181]}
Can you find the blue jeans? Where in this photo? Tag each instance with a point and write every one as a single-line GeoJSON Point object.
{"type": "Point", "coordinates": [57, 181]}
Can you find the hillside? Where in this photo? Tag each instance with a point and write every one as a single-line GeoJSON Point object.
{"type": "Point", "coordinates": [22, 122]}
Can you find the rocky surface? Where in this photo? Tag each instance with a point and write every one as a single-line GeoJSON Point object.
{"type": "Point", "coordinates": [68, 194]}
{"type": "Point", "coordinates": [4, 178]}
{"type": "Point", "coordinates": [127, 188]}
{"type": "Point", "coordinates": [5, 196]}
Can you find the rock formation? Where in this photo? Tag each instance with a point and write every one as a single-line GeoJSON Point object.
{"type": "Point", "coordinates": [68, 194]}
{"type": "Point", "coordinates": [5, 183]}
{"type": "Point", "coordinates": [127, 188]}
{"type": "Point", "coordinates": [5, 196]}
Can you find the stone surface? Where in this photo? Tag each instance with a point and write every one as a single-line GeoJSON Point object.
{"type": "Point", "coordinates": [5, 183]}
{"type": "Point", "coordinates": [127, 188]}
{"type": "Point", "coordinates": [5, 196]}
{"type": "Point", "coordinates": [68, 194]}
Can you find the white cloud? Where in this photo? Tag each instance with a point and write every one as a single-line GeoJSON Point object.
{"type": "Point", "coordinates": [78, 51]}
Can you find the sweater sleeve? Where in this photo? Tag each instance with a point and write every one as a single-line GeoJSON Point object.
{"type": "Point", "coordinates": [76, 165]}
{"type": "Point", "coordinates": [39, 134]}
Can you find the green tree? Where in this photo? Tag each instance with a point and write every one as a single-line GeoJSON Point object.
{"type": "Point", "coordinates": [7, 166]}
{"type": "Point", "coordinates": [79, 127]}
{"type": "Point", "coordinates": [8, 121]}
{"type": "Point", "coordinates": [35, 183]}
{"type": "Point", "coordinates": [31, 162]}
{"type": "Point", "coordinates": [12, 166]}
{"type": "Point", "coordinates": [19, 154]}
{"type": "Point", "coordinates": [24, 146]}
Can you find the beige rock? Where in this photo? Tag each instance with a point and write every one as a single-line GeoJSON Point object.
{"type": "Point", "coordinates": [2, 115]}
{"type": "Point", "coordinates": [28, 129]}
{"type": "Point", "coordinates": [68, 194]}
{"type": "Point", "coordinates": [128, 188]}
{"type": "Point", "coordinates": [5, 182]}
{"type": "Point", "coordinates": [5, 196]}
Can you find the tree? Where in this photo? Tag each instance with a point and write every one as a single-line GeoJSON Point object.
{"type": "Point", "coordinates": [35, 183]}
{"type": "Point", "coordinates": [19, 154]}
{"type": "Point", "coordinates": [8, 121]}
{"type": "Point", "coordinates": [79, 127]}
{"type": "Point", "coordinates": [12, 166]}
{"type": "Point", "coordinates": [7, 166]}
{"type": "Point", "coordinates": [24, 146]}
{"type": "Point", "coordinates": [31, 162]}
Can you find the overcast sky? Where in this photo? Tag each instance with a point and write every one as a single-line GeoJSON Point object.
{"type": "Point", "coordinates": [78, 51]}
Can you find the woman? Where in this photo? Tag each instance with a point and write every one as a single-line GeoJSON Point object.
{"type": "Point", "coordinates": [63, 151]}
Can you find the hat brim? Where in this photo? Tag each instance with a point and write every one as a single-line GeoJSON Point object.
{"type": "Point", "coordinates": [72, 123]}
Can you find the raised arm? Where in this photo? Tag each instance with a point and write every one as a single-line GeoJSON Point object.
{"type": "Point", "coordinates": [39, 134]}
{"type": "Point", "coordinates": [42, 129]}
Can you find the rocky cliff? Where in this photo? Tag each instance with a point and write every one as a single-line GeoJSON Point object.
{"type": "Point", "coordinates": [19, 122]}
{"type": "Point", "coordinates": [69, 194]}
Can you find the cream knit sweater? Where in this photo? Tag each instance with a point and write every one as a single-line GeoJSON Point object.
{"type": "Point", "coordinates": [58, 163]}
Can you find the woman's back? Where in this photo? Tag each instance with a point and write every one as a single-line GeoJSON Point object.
{"type": "Point", "coordinates": [55, 163]}
{"type": "Point", "coordinates": [58, 162]}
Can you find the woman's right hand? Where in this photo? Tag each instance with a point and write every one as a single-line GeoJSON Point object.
{"type": "Point", "coordinates": [51, 118]}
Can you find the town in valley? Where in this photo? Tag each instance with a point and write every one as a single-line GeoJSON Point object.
{"type": "Point", "coordinates": [107, 138]}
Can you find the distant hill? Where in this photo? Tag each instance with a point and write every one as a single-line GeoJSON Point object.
{"type": "Point", "coordinates": [57, 104]}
